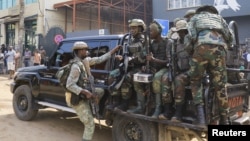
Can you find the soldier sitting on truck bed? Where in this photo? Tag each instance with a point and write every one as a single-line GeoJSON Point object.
{"type": "Point", "coordinates": [136, 59]}
{"type": "Point", "coordinates": [158, 58]}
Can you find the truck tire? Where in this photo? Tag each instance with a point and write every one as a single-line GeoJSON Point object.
{"type": "Point", "coordinates": [130, 129]}
{"type": "Point", "coordinates": [23, 103]}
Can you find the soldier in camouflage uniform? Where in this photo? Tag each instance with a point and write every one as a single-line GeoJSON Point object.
{"type": "Point", "coordinates": [209, 38]}
{"type": "Point", "coordinates": [181, 79]}
{"type": "Point", "coordinates": [158, 58]}
{"type": "Point", "coordinates": [76, 85]}
{"type": "Point", "coordinates": [137, 59]}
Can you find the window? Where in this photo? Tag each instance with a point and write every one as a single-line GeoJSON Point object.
{"type": "Point", "coordinates": [30, 37]}
{"type": "Point", "coordinates": [10, 34]}
{"type": "Point", "coordinates": [30, 1]}
{"type": "Point", "coordinates": [175, 4]}
{"type": "Point", "coordinates": [5, 4]}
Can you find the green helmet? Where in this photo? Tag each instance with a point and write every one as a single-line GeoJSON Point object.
{"type": "Point", "coordinates": [137, 22]}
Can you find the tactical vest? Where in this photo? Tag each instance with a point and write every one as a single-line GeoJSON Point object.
{"type": "Point", "coordinates": [182, 58]}
{"type": "Point", "coordinates": [204, 21]}
{"type": "Point", "coordinates": [82, 82]}
{"type": "Point", "coordinates": [137, 50]}
{"type": "Point", "coordinates": [159, 52]}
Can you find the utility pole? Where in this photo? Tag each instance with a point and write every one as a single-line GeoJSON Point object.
{"type": "Point", "coordinates": [21, 32]}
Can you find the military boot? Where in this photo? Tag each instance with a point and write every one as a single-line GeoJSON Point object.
{"type": "Point", "coordinates": [224, 120]}
{"type": "Point", "coordinates": [201, 121]}
{"type": "Point", "coordinates": [115, 102]}
{"type": "Point", "coordinates": [124, 105]}
{"type": "Point", "coordinates": [140, 105]}
{"type": "Point", "coordinates": [178, 113]}
{"type": "Point", "coordinates": [157, 106]}
{"type": "Point", "coordinates": [166, 113]}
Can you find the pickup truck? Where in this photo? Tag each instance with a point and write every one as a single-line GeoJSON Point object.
{"type": "Point", "coordinates": [36, 88]}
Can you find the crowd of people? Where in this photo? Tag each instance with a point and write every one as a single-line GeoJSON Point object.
{"type": "Point", "coordinates": [10, 59]}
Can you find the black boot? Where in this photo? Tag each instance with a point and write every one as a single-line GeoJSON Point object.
{"type": "Point", "coordinates": [178, 113]}
{"type": "Point", "coordinates": [201, 121]}
{"type": "Point", "coordinates": [224, 120]}
{"type": "Point", "coordinates": [140, 105]}
{"type": "Point", "coordinates": [167, 111]}
{"type": "Point", "coordinates": [157, 106]}
{"type": "Point", "coordinates": [115, 102]}
{"type": "Point", "coordinates": [124, 105]}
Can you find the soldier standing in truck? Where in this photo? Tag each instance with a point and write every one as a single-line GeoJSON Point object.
{"type": "Point", "coordinates": [209, 37]}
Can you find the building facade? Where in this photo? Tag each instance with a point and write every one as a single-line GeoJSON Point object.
{"type": "Point", "coordinates": [71, 16]}
{"type": "Point", "coordinates": [231, 10]}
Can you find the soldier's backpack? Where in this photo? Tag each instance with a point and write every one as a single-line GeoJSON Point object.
{"type": "Point", "coordinates": [63, 73]}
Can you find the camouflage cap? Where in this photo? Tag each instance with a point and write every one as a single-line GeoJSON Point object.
{"type": "Point", "coordinates": [207, 8]}
{"type": "Point", "coordinates": [180, 25]}
{"type": "Point", "coordinates": [80, 45]}
{"type": "Point", "coordinates": [189, 13]}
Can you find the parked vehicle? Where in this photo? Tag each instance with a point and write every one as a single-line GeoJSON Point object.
{"type": "Point", "coordinates": [36, 88]}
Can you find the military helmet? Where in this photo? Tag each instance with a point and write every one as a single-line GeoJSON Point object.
{"type": "Point", "coordinates": [157, 25]}
{"type": "Point", "coordinates": [137, 22]}
{"type": "Point", "coordinates": [189, 13]}
{"type": "Point", "coordinates": [80, 45]}
{"type": "Point", "coordinates": [207, 8]}
{"type": "Point", "coordinates": [180, 25]}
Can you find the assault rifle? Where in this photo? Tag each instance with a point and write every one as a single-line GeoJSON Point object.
{"type": "Point", "coordinates": [147, 45]}
{"type": "Point", "coordinates": [172, 63]}
{"type": "Point", "coordinates": [94, 103]}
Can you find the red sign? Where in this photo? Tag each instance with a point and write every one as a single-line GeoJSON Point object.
{"type": "Point", "coordinates": [58, 38]}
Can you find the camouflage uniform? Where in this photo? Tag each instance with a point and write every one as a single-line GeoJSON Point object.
{"type": "Point", "coordinates": [83, 109]}
{"type": "Point", "coordinates": [209, 53]}
{"type": "Point", "coordinates": [158, 61]}
{"type": "Point", "coordinates": [180, 68]}
{"type": "Point", "coordinates": [136, 53]}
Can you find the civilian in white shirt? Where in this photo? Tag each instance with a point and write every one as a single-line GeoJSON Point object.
{"type": "Point", "coordinates": [11, 61]}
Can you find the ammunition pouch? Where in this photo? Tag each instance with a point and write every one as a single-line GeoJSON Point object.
{"type": "Point", "coordinates": [135, 47]}
{"type": "Point", "coordinates": [75, 99]}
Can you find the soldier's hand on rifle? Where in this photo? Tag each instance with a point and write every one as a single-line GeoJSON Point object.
{"type": "Point", "coordinates": [87, 93]}
{"type": "Point", "coordinates": [118, 57]}
{"type": "Point", "coordinates": [150, 56]}
{"type": "Point", "coordinates": [115, 49]}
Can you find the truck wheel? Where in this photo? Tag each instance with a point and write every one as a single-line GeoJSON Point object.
{"type": "Point", "coordinates": [23, 103]}
{"type": "Point", "coordinates": [129, 129]}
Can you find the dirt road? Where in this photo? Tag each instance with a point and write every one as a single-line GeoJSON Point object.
{"type": "Point", "coordinates": [49, 125]}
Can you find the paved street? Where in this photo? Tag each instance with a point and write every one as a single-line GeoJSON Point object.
{"type": "Point", "coordinates": [49, 125]}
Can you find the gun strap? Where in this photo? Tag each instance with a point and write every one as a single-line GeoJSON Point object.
{"type": "Point", "coordinates": [118, 85]}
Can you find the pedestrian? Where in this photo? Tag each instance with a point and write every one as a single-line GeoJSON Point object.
{"type": "Point", "coordinates": [37, 57]}
{"type": "Point", "coordinates": [43, 55]}
{"type": "Point", "coordinates": [1, 62]}
{"type": "Point", "coordinates": [208, 40]}
{"type": "Point", "coordinates": [137, 58]}
{"type": "Point", "coordinates": [76, 84]}
{"type": "Point", "coordinates": [158, 58]}
{"type": "Point", "coordinates": [11, 61]}
{"type": "Point", "coordinates": [27, 57]}
{"type": "Point", "coordinates": [4, 51]}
